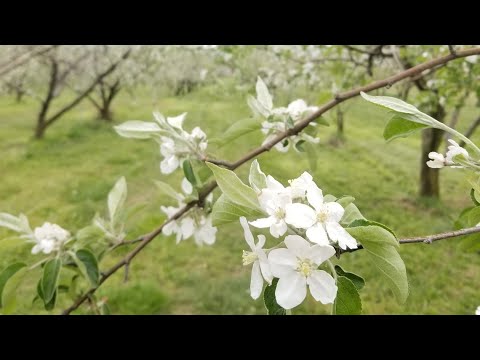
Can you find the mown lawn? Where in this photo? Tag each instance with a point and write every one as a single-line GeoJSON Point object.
{"type": "Point", "coordinates": [65, 179]}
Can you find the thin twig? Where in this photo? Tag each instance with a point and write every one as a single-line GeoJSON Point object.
{"type": "Point", "coordinates": [266, 147]}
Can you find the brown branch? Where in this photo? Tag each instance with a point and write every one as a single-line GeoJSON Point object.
{"type": "Point", "coordinates": [266, 147]}
{"type": "Point", "coordinates": [429, 239]}
{"type": "Point", "coordinates": [13, 64]}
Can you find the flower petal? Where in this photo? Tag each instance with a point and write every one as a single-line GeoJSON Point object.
{"type": "Point", "coordinates": [315, 196]}
{"type": "Point", "coordinates": [263, 223]}
{"type": "Point", "coordinates": [335, 211]}
{"type": "Point", "coordinates": [187, 226]}
{"type": "Point", "coordinates": [169, 165]}
{"type": "Point", "coordinates": [265, 267]}
{"type": "Point", "coordinates": [299, 215]}
{"type": "Point", "coordinates": [261, 241]}
{"type": "Point", "coordinates": [341, 236]}
{"type": "Point", "coordinates": [177, 121]}
{"type": "Point", "coordinates": [282, 262]}
{"type": "Point", "coordinates": [247, 233]}
{"type": "Point", "coordinates": [319, 253]}
{"type": "Point", "coordinates": [278, 229]}
{"type": "Point", "coordinates": [297, 245]}
{"type": "Point", "coordinates": [273, 184]}
{"type": "Point", "coordinates": [322, 286]}
{"type": "Point", "coordinates": [187, 186]}
{"type": "Point", "coordinates": [317, 234]}
{"type": "Point", "coordinates": [291, 290]}
{"type": "Point", "coordinates": [256, 281]}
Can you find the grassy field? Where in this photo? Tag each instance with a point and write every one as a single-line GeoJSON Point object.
{"type": "Point", "coordinates": [65, 179]}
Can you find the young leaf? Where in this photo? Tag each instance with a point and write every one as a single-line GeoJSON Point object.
{"type": "Point", "coordinates": [138, 129]}
{"type": "Point", "coordinates": [9, 298]}
{"type": "Point", "coordinates": [399, 126]}
{"type": "Point", "coordinates": [364, 222]}
{"type": "Point", "coordinates": [50, 305]}
{"type": "Point", "coordinates": [351, 214]}
{"type": "Point", "coordinates": [238, 129]}
{"type": "Point", "coordinates": [381, 247]}
{"type": "Point", "coordinates": [391, 103]}
{"type": "Point", "coordinates": [233, 188]}
{"type": "Point", "coordinates": [188, 171]}
{"type": "Point", "coordinates": [257, 178]}
{"type": "Point", "coordinates": [51, 274]}
{"type": "Point", "coordinates": [345, 200]}
{"type": "Point", "coordinates": [225, 211]}
{"type": "Point", "coordinates": [348, 300]}
{"type": "Point", "coordinates": [263, 95]}
{"type": "Point", "coordinates": [474, 197]}
{"type": "Point", "coordinates": [166, 190]}
{"type": "Point", "coordinates": [116, 198]}
{"type": "Point", "coordinates": [6, 275]}
{"type": "Point", "coordinates": [357, 280]}
{"type": "Point", "coordinates": [91, 265]}
{"type": "Point", "coordinates": [10, 222]}
{"type": "Point", "coordinates": [270, 302]}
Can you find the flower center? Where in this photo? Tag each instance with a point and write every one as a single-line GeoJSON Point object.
{"type": "Point", "coordinates": [248, 257]}
{"type": "Point", "coordinates": [280, 213]}
{"type": "Point", "coordinates": [305, 267]}
{"type": "Point", "coordinates": [322, 216]}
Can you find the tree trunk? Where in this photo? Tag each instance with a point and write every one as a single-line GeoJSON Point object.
{"type": "Point", "coordinates": [19, 96]}
{"type": "Point", "coordinates": [105, 114]}
{"type": "Point", "coordinates": [40, 128]}
{"type": "Point", "coordinates": [340, 123]}
{"type": "Point", "coordinates": [431, 139]}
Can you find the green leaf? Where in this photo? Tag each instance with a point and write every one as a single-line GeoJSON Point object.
{"type": "Point", "coordinates": [225, 211]}
{"type": "Point", "coordinates": [348, 300]}
{"type": "Point", "coordinates": [51, 274]}
{"type": "Point", "coordinates": [51, 304]}
{"type": "Point", "coordinates": [299, 146]}
{"type": "Point", "coordinates": [138, 129]}
{"type": "Point", "coordinates": [270, 302]}
{"type": "Point", "coordinates": [6, 275]}
{"type": "Point", "coordinates": [91, 265]}
{"type": "Point", "coordinates": [470, 243]}
{"type": "Point", "coordinates": [345, 200]}
{"type": "Point", "coordinates": [351, 214]}
{"type": "Point", "coordinates": [329, 198]}
{"type": "Point", "coordinates": [263, 95]}
{"type": "Point", "coordinates": [391, 103]}
{"type": "Point", "coordinates": [357, 280]}
{"type": "Point", "coordinates": [399, 127]}
{"type": "Point", "coordinates": [188, 171]}
{"type": "Point", "coordinates": [257, 178]}
{"type": "Point", "coordinates": [10, 222]}
{"type": "Point", "coordinates": [236, 130]}
{"type": "Point", "coordinates": [166, 190]}
{"type": "Point", "coordinates": [234, 188]}
{"type": "Point", "coordinates": [363, 222]}
{"type": "Point", "coordinates": [473, 196]}
{"type": "Point", "coordinates": [116, 198]}
{"type": "Point", "coordinates": [9, 298]}
{"type": "Point", "coordinates": [381, 247]}
{"type": "Point", "coordinates": [89, 234]}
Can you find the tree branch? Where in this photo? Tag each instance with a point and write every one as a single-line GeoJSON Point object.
{"type": "Point", "coordinates": [266, 147]}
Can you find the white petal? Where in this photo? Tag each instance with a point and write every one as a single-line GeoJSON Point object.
{"type": "Point", "coordinates": [187, 227]}
{"type": "Point", "coordinates": [261, 242]}
{"type": "Point", "coordinates": [299, 215]}
{"type": "Point", "coordinates": [435, 164]}
{"type": "Point", "coordinates": [322, 286]}
{"type": "Point", "coordinates": [187, 186]}
{"type": "Point", "coordinates": [265, 266]}
{"type": "Point", "coordinates": [319, 253]}
{"type": "Point", "coordinates": [315, 196]}
{"type": "Point", "coordinates": [282, 262]}
{"type": "Point", "coordinates": [247, 233]}
{"type": "Point", "coordinates": [291, 290]}
{"type": "Point", "coordinates": [317, 234]}
{"type": "Point", "coordinates": [177, 121]}
{"type": "Point", "coordinates": [170, 228]}
{"type": "Point", "coordinates": [278, 229]}
{"type": "Point", "coordinates": [338, 234]}
{"type": "Point", "coordinates": [273, 184]}
{"type": "Point", "coordinates": [263, 223]}
{"type": "Point", "coordinates": [199, 134]}
{"type": "Point", "coordinates": [436, 156]}
{"type": "Point", "coordinates": [169, 165]}
{"type": "Point", "coordinates": [297, 245]}
{"type": "Point", "coordinates": [36, 249]}
{"type": "Point", "coordinates": [256, 281]}
{"type": "Point", "coordinates": [335, 211]}
{"type": "Point", "coordinates": [281, 147]}
{"type": "Point", "coordinates": [206, 234]}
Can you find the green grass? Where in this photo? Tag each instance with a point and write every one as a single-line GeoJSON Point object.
{"type": "Point", "coordinates": [65, 179]}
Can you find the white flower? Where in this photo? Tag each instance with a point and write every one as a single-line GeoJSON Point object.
{"type": "Point", "coordinates": [455, 150]}
{"type": "Point", "coordinates": [204, 232]}
{"type": "Point", "coordinates": [261, 267]}
{"type": "Point", "coordinates": [296, 267]}
{"type": "Point", "coordinates": [437, 162]}
{"type": "Point", "coordinates": [273, 199]}
{"type": "Point", "coordinates": [169, 152]}
{"type": "Point", "coordinates": [187, 186]}
{"type": "Point", "coordinates": [298, 109]}
{"type": "Point", "coordinates": [183, 228]}
{"type": "Point", "coordinates": [298, 187]}
{"type": "Point", "coordinates": [477, 312]}
{"type": "Point", "coordinates": [322, 221]}
{"type": "Point", "coordinates": [49, 237]}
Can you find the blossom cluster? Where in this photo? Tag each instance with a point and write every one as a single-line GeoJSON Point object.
{"type": "Point", "coordinates": [456, 157]}
{"type": "Point", "coordinates": [315, 231]}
